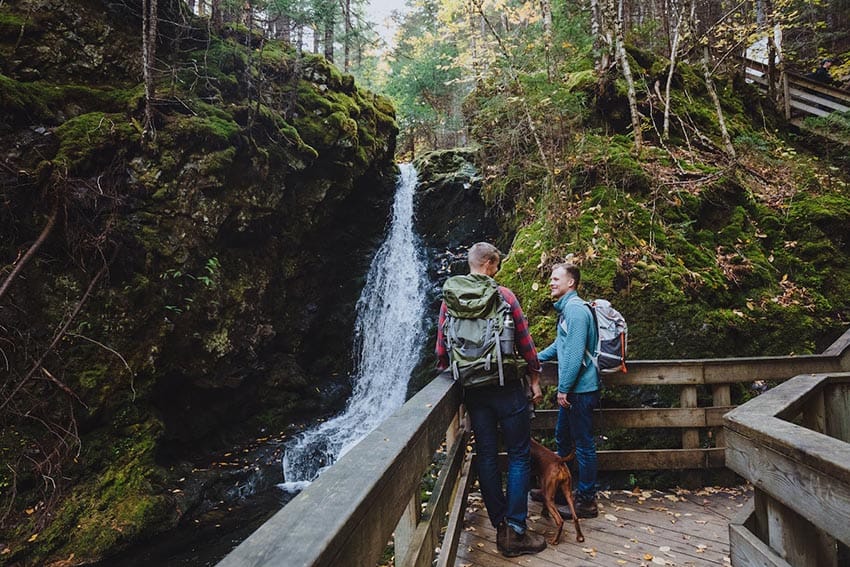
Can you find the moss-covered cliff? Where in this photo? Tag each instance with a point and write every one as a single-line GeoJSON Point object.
{"type": "Point", "coordinates": [186, 283]}
{"type": "Point", "coordinates": [707, 256]}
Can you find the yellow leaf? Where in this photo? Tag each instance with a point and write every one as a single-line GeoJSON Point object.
{"type": "Point", "coordinates": [33, 537]}
{"type": "Point", "coordinates": [29, 511]}
{"type": "Point", "coordinates": [647, 556]}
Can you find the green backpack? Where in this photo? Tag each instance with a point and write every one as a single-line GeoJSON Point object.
{"type": "Point", "coordinates": [479, 332]}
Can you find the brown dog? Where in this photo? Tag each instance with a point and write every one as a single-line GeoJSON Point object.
{"type": "Point", "coordinates": [555, 474]}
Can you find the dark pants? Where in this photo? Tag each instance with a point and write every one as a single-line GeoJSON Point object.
{"type": "Point", "coordinates": [575, 427]}
{"type": "Point", "coordinates": [490, 408]}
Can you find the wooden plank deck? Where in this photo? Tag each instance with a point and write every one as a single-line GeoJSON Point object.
{"type": "Point", "coordinates": [674, 528]}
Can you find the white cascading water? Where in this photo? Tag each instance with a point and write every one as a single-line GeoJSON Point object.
{"type": "Point", "coordinates": [388, 335]}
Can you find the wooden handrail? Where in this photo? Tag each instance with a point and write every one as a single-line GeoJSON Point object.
{"type": "Point", "coordinates": [692, 422]}
{"type": "Point", "coordinates": [793, 444]}
{"type": "Point", "coordinates": [800, 93]}
{"type": "Point", "coordinates": [347, 516]}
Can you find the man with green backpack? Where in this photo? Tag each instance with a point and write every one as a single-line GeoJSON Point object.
{"type": "Point", "coordinates": [480, 330]}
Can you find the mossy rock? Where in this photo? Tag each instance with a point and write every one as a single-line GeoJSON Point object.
{"type": "Point", "coordinates": [91, 139]}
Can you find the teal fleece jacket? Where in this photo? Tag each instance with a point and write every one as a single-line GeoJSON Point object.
{"type": "Point", "coordinates": [576, 335]}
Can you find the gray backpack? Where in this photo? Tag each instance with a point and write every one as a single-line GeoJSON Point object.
{"type": "Point", "coordinates": [479, 332]}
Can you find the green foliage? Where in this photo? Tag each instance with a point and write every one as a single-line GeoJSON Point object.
{"type": "Point", "coordinates": [835, 124]}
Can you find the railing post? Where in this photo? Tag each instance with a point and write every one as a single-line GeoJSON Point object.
{"type": "Point", "coordinates": [836, 402]}
{"type": "Point", "coordinates": [814, 413]}
{"type": "Point", "coordinates": [786, 93]}
{"type": "Point", "coordinates": [796, 540]}
{"type": "Point", "coordinates": [722, 397]}
{"type": "Point", "coordinates": [690, 437]}
{"type": "Point", "coordinates": [403, 534]}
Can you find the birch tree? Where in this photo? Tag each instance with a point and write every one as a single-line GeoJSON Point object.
{"type": "Point", "coordinates": [613, 18]}
{"type": "Point", "coordinates": [346, 40]}
{"type": "Point", "coordinates": [679, 11]}
{"type": "Point", "coordinates": [546, 16]}
{"type": "Point", "coordinates": [712, 92]}
{"type": "Point", "coordinates": [149, 23]}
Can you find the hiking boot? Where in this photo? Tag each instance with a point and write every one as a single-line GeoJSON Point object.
{"type": "Point", "coordinates": [501, 535]}
{"type": "Point", "coordinates": [584, 509]}
{"type": "Point", "coordinates": [522, 544]}
{"type": "Point", "coordinates": [537, 495]}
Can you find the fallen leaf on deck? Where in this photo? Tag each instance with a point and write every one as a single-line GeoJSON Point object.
{"type": "Point", "coordinates": [611, 518]}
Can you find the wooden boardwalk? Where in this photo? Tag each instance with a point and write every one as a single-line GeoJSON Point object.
{"type": "Point", "coordinates": [675, 528]}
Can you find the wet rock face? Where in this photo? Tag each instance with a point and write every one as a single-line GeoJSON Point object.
{"type": "Point", "coordinates": [451, 215]}
{"type": "Point", "coordinates": [450, 212]}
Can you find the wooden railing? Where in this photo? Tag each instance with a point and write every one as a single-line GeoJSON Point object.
{"type": "Point", "coordinates": [800, 95]}
{"type": "Point", "coordinates": [692, 421]}
{"type": "Point", "coordinates": [372, 494]}
{"type": "Point", "coordinates": [349, 514]}
{"type": "Point", "coordinates": [793, 444]}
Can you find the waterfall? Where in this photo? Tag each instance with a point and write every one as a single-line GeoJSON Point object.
{"type": "Point", "coordinates": [388, 334]}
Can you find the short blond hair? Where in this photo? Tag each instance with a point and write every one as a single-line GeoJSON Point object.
{"type": "Point", "coordinates": [571, 270]}
{"type": "Point", "coordinates": [481, 253]}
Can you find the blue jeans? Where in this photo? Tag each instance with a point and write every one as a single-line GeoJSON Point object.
{"type": "Point", "coordinates": [489, 408]}
{"type": "Point", "coordinates": [575, 427]}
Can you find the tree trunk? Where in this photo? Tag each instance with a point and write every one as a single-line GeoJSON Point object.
{"type": "Point", "coordinates": [602, 40]}
{"type": "Point", "coordinates": [285, 29]}
{"type": "Point", "coordinates": [674, 51]}
{"type": "Point", "coordinates": [625, 68]}
{"type": "Point", "coordinates": [473, 41]}
{"type": "Point", "coordinates": [149, 21]}
{"type": "Point", "coordinates": [709, 83]}
{"type": "Point", "coordinates": [546, 12]}
{"type": "Point", "coordinates": [347, 39]}
{"type": "Point", "coordinates": [765, 19]}
{"type": "Point", "coordinates": [217, 16]}
{"type": "Point", "coordinates": [329, 37]}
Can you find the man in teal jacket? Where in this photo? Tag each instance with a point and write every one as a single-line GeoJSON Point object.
{"type": "Point", "coordinates": [578, 382]}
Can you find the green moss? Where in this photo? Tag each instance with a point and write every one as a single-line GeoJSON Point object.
{"type": "Point", "coordinates": [91, 139]}
{"type": "Point", "coordinates": [117, 499]}
{"type": "Point", "coordinates": [25, 99]}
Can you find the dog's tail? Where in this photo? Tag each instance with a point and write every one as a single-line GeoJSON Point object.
{"type": "Point", "coordinates": [569, 457]}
